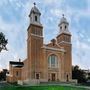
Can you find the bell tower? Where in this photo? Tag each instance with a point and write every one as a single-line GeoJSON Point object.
{"type": "Point", "coordinates": [64, 40]}
{"type": "Point", "coordinates": [64, 34]}
{"type": "Point", "coordinates": [34, 43]}
{"type": "Point", "coordinates": [35, 15]}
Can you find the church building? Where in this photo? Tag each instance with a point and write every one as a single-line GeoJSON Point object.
{"type": "Point", "coordinates": [45, 62]}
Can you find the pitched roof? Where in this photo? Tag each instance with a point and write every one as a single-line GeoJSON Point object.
{"type": "Point", "coordinates": [16, 64]}
{"type": "Point", "coordinates": [35, 10]}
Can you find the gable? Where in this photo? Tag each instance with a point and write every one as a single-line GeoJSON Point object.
{"type": "Point", "coordinates": [53, 45]}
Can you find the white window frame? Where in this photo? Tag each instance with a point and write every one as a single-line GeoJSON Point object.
{"type": "Point", "coordinates": [52, 65]}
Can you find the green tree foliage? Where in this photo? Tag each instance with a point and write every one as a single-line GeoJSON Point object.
{"type": "Point", "coordinates": [3, 74]}
{"type": "Point", "coordinates": [78, 74]}
{"type": "Point", "coordinates": [3, 42]}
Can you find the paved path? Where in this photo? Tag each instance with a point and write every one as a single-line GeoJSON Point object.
{"type": "Point", "coordinates": [4, 84]}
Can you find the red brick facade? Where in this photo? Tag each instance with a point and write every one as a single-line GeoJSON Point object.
{"type": "Point", "coordinates": [50, 62]}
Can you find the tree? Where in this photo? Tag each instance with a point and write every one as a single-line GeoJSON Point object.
{"type": "Point", "coordinates": [3, 42]}
{"type": "Point", "coordinates": [78, 74]}
{"type": "Point", "coordinates": [3, 74]}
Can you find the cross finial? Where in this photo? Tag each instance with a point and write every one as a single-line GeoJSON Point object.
{"type": "Point", "coordinates": [63, 15]}
{"type": "Point", "coordinates": [34, 3]}
{"type": "Point", "coordinates": [19, 60]}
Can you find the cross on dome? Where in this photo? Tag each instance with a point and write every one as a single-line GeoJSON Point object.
{"type": "Point", "coordinates": [63, 15]}
{"type": "Point", "coordinates": [63, 19]}
{"type": "Point", "coordinates": [34, 3]}
{"type": "Point", "coordinates": [35, 15]}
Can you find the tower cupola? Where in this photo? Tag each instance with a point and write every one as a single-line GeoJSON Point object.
{"type": "Point", "coordinates": [35, 15]}
{"type": "Point", "coordinates": [63, 25]}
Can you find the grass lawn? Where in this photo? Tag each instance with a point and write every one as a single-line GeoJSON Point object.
{"type": "Point", "coordinates": [42, 88]}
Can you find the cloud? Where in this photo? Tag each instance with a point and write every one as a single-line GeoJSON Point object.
{"type": "Point", "coordinates": [15, 32]}
{"type": "Point", "coordinates": [56, 12]}
{"type": "Point", "coordinates": [52, 1]}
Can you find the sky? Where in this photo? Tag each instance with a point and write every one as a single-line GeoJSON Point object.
{"type": "Point", "coordinates": [14, 22]}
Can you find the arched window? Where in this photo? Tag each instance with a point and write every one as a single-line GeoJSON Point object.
{"type": "Point", "coordinates": [65, 27]}
{"type": "Point", "coordinates": [52, 61]}
{"type": "Point", "coordinates": [35, 18]}
{"type": "Point", "coordinates": [61, 27]}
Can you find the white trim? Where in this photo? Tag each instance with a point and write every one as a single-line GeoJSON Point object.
{"type": "Point", "coordinates": [64, 42]}
{"type": "Point", "coordinates": [35, 23]}
{"type": "Point", "coordinates": [36, 35]}
{"type": "Point", "coordinates": [66, 32]}
{"type": "Point", "coordinates": [55, 49]}
{"type": "Point", "coordinates": [10, 75]}
{"type": "Point", "coordinates": [16, 65]}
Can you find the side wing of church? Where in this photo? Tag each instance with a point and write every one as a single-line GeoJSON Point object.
{"type": "Point", "coordinates": [45, 62]}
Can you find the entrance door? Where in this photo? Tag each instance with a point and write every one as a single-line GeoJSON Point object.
{"type": "Point", "coordinates": [53, 76]}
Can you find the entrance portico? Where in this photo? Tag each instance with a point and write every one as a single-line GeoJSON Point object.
{"type": "Point", "coordinates": [53, 76]}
